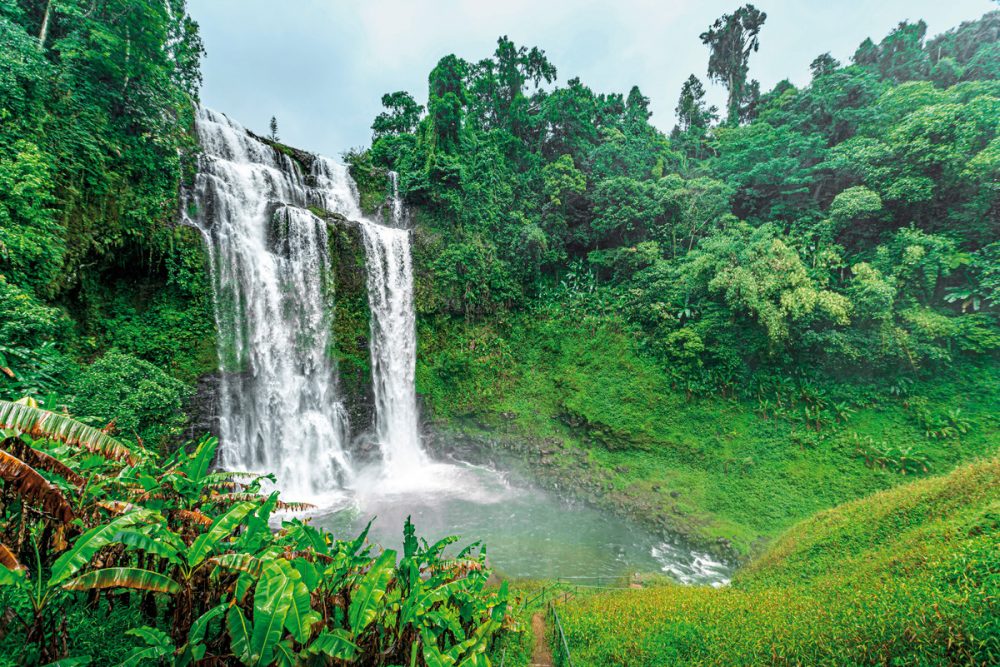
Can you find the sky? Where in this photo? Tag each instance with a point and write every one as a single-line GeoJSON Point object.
{"type": "Point", "coordinates": [321, 66]}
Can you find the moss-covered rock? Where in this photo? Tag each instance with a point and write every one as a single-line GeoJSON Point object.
{"type": "Point", "coordinates": [372, 182]}
{"type": "Point", "coordinates": [351, 320]}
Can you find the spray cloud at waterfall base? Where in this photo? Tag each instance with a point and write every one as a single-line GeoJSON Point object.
{"type": "Point", "coordinates": [282, 410]}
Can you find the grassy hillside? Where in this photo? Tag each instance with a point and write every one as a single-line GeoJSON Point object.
{"type": "Point", "coordinates": [582, 402]}
{"type": "Point", "coordinates": [909, 576]}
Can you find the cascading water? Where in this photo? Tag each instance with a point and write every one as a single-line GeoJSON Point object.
{"type": "Point", "coordinates": [396, 210]}
{"type": "Point", "coordinates": [281, 411]}
{"type": "Point", "coordinates": [393, 340]}
{"type": "Point", "coordinates": [280, 408]}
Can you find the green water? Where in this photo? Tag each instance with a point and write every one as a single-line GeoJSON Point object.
{"type": "Point", "coordinates": [527, 532]}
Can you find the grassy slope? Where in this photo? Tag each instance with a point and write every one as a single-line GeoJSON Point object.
{"type": "Point", "coordinates": [905, 576]}
{"type": "Point", "coordinates": [709, 468]}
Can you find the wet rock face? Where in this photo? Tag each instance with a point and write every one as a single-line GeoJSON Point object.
{"type": "Point", "coordinates": [202, 408]}
{"type": "Point", "coordinates": [351, 323]}
{"type": "Point", "coordinates": [359, 401]}
{"type": "Point", "coordinates": [277, 229]}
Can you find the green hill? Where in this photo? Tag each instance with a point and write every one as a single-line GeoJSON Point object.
{"type": "Point", "coordinates": [909, 576]}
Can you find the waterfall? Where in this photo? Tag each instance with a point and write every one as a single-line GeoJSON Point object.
{"type": "Point", "coordinates": [395, 201]}
{"type": "Point", "coordinates": [272, 282]}
{"type": "Point", "coordinates": [393, 339]}
{"type": "Point", "coordinates": [270, 267]}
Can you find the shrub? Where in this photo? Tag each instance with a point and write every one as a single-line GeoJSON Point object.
{"type": "Point", "coordinates": [143, 402]}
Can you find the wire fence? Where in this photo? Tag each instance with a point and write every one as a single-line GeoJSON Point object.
{"type": "Point", "coordinates": [560, 591]}
{"type": "Point", "coordinates": [563, 646]}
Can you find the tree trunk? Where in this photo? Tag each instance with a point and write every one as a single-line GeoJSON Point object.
{"type": "Point", "coordinates": [733, 111]}
{"type": "Point", "coordinates": [43, 33]}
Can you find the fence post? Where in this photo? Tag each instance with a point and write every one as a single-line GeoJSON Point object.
{"type": "Point", "coordinates": [562, 635]}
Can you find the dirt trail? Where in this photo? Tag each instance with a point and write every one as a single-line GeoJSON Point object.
{"type": "Point", "coordinates": [542, 655]}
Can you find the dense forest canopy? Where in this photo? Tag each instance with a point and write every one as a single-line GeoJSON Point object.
{"type": "Point", "coordinates": [95, 138]}
{"type": "Point", "coordinates": [849, 226]}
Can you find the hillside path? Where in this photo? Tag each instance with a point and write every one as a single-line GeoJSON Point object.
{"type": "Point", "coordinates": [542, 655]}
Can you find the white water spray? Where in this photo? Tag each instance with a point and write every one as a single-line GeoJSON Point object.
{"type": "Point", "coordinates": [280, 408]}
{"type": "Point", "coordinates": [393, 340]}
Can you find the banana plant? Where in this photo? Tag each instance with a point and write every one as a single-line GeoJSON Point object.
{"type": "Point", "coordinates": [194, 563]}
{"type": "Point", "coordinates": [45, 479]}
{"type": "Point", "coordinates": [470, 652]}
{"type": "Point", "coordinates": [281, 606]}
{"type": "Point", "coordinates": [187, 566]}
{"type": "Point", "coordinates": [159, 646]}
{"type": "Point", "coordinates": [239, 591]}
{"type": "Point", "coordinates": [25, 417]}
{"type": "Point", "coordinates": [185, 489]}
{"type": "Point", "coordinates": [32, 488]}
{"type": "Point", "coordinates": [39, 590]}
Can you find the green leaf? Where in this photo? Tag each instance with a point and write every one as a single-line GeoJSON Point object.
{"type": "Point", "coordinates": [370, 591]}
{"type": "Point", "coordinates": [284, 655]}
{"type": "Point", "coordinates": [241, 562]}
{"type": "Point", "coordinates": [90, 543]}
{"type": "Point", "coordinates": [280, 602]}
{"type": "Point", "coordinates": [144, 656]}
{"type": "Point", "coordinates": [124, 577]}
{"type": "Point", "coordinates": [239, 636]}
{"type": "Point", "coordinates": [468, 652]}
{"type": "Point", "coordinates": [435, 550]}
{"type": "Point", "coordinates": [422, 601]}
{"type": "Point", "coordinates": [305, 537]}
{"type": "Point", "coordinates": [158, 644]}
{"type": "Point", "coordinates": [40, 423]}
{"type": "Point", "coordinates": [12, 577]}
{"type": "Point", "coordinates": [334, 643]}
{"type": "Point", "coordinates": [444, 618]}
{"type": "Point", "coordinates": [78, 661]}
{"type": "Point", "coordinates": [432, 654]}
{"type": "Point", "coordinates": [301, 617]}
{"type": "Point", "coordinates": [359, 540]}
{"type": "Point", "coordinates": [152, 636]}
{"type": "Point", "coordinates": [410, 544]}
{"type": "Point", "coordinates": [195, 648]}
{"type": "Point", "coordinates": [311, 576]}
{"type": "Point", "coordinates": [243, 584]}
{"type": "Point", "coordinates": [155, 546]}
{"type": "Point", "coordinates": [197, 466]}
{"type": "Point", "coordinates": [221, 528]}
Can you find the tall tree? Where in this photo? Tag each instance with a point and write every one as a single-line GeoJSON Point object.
{"type": "Point", "coordinates": [731, 39]}
{"type": "Point", "coordinates": [273, 129]}
{"type": "Point", "coordinates": [401, 116]}
{"type": "Point", "coordinates": [637, 106]}
{"type": "Point", "coordinates": [900, 56]}
{"type": "Point", "coordinates": [693, 117]}
{"type": "Point", "coordinates": [691, 108]}
{"type": "Point", "coordinates": [823, 64]}
{"type": "Point", "coordinates": [497, 85]}
{"type": "Point", "coordinates": [446, 101]}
